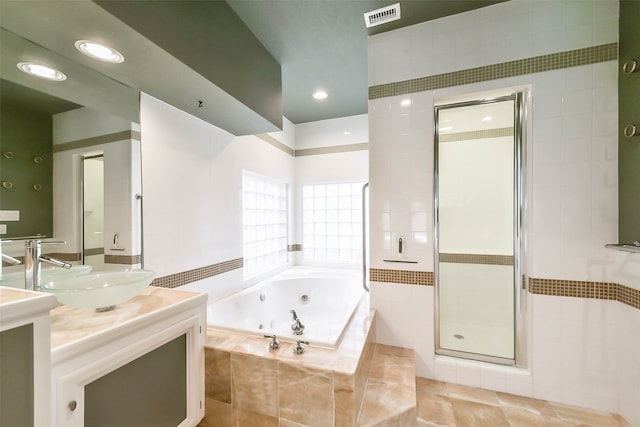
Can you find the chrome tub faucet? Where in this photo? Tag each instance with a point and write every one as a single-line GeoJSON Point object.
{"type": "Point", "coordinates": [296, 326]}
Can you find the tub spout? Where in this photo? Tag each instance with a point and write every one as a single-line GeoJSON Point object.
{"type": "Point", "coordinates": [296, 326]}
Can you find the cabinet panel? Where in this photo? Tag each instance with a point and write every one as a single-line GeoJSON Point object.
{"type": "Point", "coordinates": [16, 372]}
{"type": "Point", "coordinates": [149, 391]}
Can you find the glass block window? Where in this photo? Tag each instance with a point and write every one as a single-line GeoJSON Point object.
{"type": "Point", "coordinates": [264, 206]}
{"type": "Point", "coordinates": [332, 222]}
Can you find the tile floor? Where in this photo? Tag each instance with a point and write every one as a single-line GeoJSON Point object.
{"type": "Point", "coordinates": [451, 405]}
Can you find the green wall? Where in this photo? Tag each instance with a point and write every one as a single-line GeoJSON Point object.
{"type": "Point", "coordinates": [629, 112]}
{"type": "Point", "coordinates": [26, 134]}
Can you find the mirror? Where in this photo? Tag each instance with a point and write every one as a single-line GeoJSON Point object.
{"type": "Point", "coordinates": [629, 139]}
{"type": "Point", "coordinates": [48, 128]}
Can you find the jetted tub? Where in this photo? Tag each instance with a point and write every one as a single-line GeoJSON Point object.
{"type": "Point", "coordinates": [324, 300]}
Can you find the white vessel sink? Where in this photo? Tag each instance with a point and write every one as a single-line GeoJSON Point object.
{"type": "Point", "coordinates": [15, 278]}
{"type": "Point", "coordinates": [100, 290]}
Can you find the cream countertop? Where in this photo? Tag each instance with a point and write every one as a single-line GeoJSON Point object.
{"type": "Point", "coordinates": [20, 303]}
{"type": "Point", "coordinates": [70, 324]}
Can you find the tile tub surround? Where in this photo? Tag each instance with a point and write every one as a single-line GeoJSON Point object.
{"type": "Point", "coordinates": [247, 384]}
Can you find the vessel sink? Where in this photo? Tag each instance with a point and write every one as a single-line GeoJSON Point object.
{"type": "Point", "coordinates": [101, 290]}
{"type": "Point", "coordinates": [15, 278]}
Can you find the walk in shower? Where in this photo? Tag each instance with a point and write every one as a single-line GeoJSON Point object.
{"type": "Point", "coordinates": [479, 228]}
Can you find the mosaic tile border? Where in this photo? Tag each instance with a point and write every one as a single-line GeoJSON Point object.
{"type": "Point", "coordinates": [405, 277]}
{"type": "Point", "coordinates": [476, 259]}
{"type": "Point", "coordinates": [537, 286]}
{"type": "Point", "coordinates": [93, 251]}
{"type": "Point", "coordinates": [476, 134]}
{"type": "Point", "coordinates": [536, 64]}
{"type": "Point", "coordinates": [122, 259]}
{"type": "Point", "coordinates": [71, 257]}
{"type": "Point", "coordinates": [584, 289]}
{"type": "Point", "coordinates": [189, 276]}
{"type": "Point", "coordinates": [297, 247]}
{"type": "Point", "coordinates": [75, 256]}
{"type": "Point", "coordinates": [97, 140]}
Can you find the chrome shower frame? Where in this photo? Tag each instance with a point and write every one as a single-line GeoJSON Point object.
{"type": "Point", "coordinates": [521, 99]}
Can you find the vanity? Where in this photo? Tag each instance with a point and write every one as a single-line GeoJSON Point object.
{"type": "Point", "coordinates": [139, 364]}
{"type": "Point", "coordinates": [25, 357]}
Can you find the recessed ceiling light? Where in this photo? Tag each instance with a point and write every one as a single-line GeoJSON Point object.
{"type": "Point", "coordinates": [320, 94]}
{"type": "Point", "coordinates": [99, 51]}
{"type": "Point", "coordinates": [42, 71]}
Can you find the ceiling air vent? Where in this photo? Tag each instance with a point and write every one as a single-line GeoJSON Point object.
{"type": "Point", "coordinates": [382, 15]}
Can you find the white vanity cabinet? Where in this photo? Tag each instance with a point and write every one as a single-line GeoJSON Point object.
{"type": "Point", "coordinates": [140, 365]}
{"type": "Point", "coordinates": [24, 357]}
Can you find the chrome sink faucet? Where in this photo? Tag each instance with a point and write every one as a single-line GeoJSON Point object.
{"type": "Point", "coordinates": [296, 326]}
{"type": "Point", "coordinates": [33, 259]}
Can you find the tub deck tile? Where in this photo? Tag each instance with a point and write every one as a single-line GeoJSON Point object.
{"type": "Point", "coordinates": [322, 387]}
{"type": "Point", "coordinates": [254, 384]}
{"type": "Point", "coordinates": [306, 395]}
{"type": "Point", "coordinates": [390, 394]}
{"type": "Point", "coordinates": [217, 379]}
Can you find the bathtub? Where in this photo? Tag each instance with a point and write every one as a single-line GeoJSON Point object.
{"type": "Point", "coordinates": [324, 300]}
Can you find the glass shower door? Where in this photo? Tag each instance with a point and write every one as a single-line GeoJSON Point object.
{"type": "Point", "coordinates": [93, 211]}
{"type": "Point", "coordinates": [476, 198]}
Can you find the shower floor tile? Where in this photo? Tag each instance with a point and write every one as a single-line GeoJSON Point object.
{"type": "Point", "coordinates": [477, 337]}
{"type": "Point", "coordinates": [453, 405]}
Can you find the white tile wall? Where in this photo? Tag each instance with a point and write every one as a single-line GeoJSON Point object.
{"type": "Point", "coordinates": [121, 180]}
{"type": "Point", "coordinates": [192, 178]}
{"type": "Point", "coordinates": [573, 201]}
{"type": "Point", "coordinates": [192, 175]}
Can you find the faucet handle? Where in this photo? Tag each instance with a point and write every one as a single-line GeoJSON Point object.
{"type": "Point", "coordinates": [298, 349]}
{"type": "Point", "coordinates": [275, 344]}
{"type": "Point", "coordinates": [55, 262]}
{"type": "Point", "coordinates": [54, 242]}
{"type": "Point", "coordinates": [36, 243]}
{"type": "Point", "coordinates": [10, 259]}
